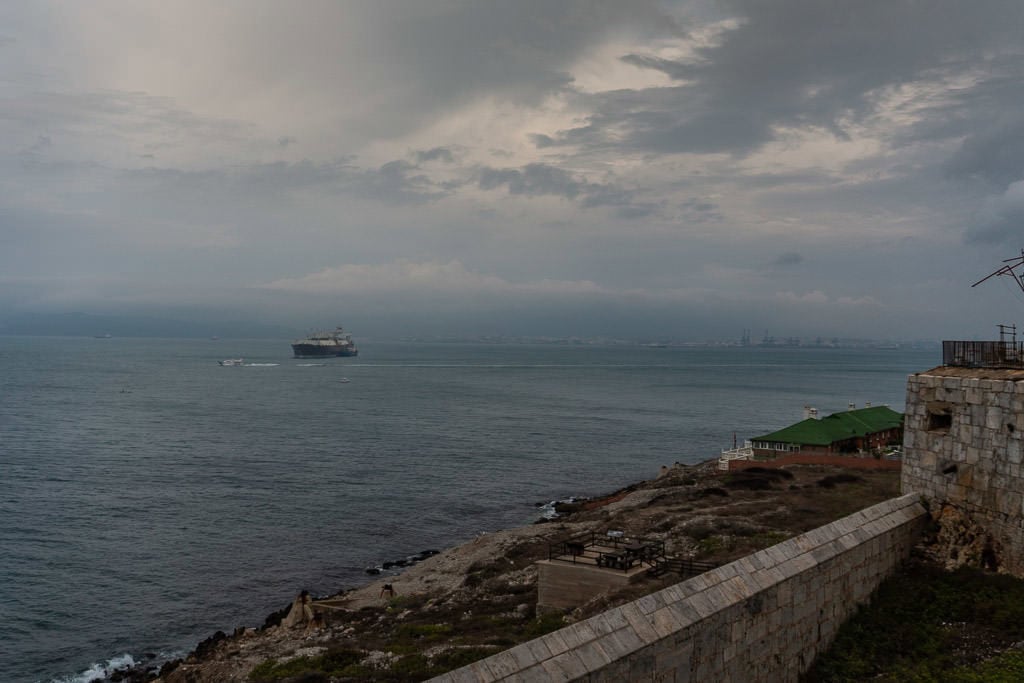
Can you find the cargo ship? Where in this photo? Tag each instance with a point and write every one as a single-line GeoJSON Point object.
{"type": "Point", "coordinates": [336, 342]}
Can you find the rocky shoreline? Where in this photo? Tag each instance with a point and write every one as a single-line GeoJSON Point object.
{"type": "Point", "coordinates": [447, 608]}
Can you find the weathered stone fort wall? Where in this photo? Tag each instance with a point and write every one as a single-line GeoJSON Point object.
{"type": "Point", "coordinates": [963, 447]}
{"type": "Point", "coordinates": [762, 618]}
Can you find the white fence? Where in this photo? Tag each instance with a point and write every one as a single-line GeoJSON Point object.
{"type": "Point", "coordinates": [746, 452]}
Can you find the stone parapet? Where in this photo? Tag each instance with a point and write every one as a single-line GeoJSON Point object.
{"type": "Point", "coordinates": [764, 617]}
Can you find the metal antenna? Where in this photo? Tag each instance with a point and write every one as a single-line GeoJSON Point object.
{"type": "Point", "coordinates": [1009, 269]}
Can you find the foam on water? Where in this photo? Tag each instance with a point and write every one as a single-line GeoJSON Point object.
{"type": "Point", "coordinates": [100, 672]}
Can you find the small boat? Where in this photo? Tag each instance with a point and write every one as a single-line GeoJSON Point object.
{"type": "Point", "coordinates": [231, 361]}
{"type": "Point", "coordinates": [344, 380]}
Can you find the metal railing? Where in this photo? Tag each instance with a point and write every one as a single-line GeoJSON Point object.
{"type": "Point", "coordinates": [613, 550]}
{"type": "Point", "coordinates": [983, 354]}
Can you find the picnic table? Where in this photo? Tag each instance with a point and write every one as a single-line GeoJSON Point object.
{"type": "Point", "coordinates": [639, 550]}
{"type": "Point", "coordinates": [615, 560]}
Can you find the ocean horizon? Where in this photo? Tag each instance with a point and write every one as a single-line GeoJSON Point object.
{"type": "Point", "coordinates": [153, 497]}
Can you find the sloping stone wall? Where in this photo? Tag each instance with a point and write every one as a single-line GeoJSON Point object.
{"type": "Point", "coordinates": [963, 447]}
{"type": "Point", "coordinates": [764, 617]}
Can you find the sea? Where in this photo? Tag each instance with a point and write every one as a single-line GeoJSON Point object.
{"type": "Point", "coordinates": [150, 497]}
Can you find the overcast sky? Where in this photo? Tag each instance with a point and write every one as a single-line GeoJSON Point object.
{"type": "Point", "coordinates": [634, 169]}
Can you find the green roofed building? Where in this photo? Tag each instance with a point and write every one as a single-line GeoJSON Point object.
{"type": "Point", "coordinates": [850, 432]}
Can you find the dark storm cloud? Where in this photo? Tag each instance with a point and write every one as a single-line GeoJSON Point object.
{"type": "Point", "coordinates": [522, 48]}
{"type": "Point", "coordinates": [799, 63]}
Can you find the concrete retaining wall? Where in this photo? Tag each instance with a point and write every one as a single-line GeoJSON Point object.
{"type": "Point", "coordinates": [762, 618]}
{"type": "Point", "coordinates": [562, 585]}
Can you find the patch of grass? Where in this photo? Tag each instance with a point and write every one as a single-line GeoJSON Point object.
{"type": "Point", "coordinates": [770, 472]}
{"type": "Point", "coordinates": [544, 624]}
{"type": "Point", "coordinates": [338, 662]}
{"type": "Point", "coordinates": [831, 480]}
{"type": "Point", "coordinates": [713, 545]}
{"type": "Point", "coordinates": [453, 658]}
{"type": "Point", "coordinates": [926, 624]}
{"type": "Point", "coordinates": [753, 479]}
{"type": "Point", "coordinates": [1007, 667]}
{"type": "Point", "coordinates": [478, 572]}
{"type": "Point", "coordinates": [422, 632]}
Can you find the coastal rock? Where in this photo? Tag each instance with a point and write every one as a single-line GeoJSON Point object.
{"type": "Point", "coordinates": [490, 582]}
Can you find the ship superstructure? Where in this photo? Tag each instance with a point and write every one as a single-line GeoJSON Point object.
{"type": "Point", "coordinates": [322, 344]}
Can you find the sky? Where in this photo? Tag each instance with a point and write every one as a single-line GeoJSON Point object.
{"type": "Point", "coordinates": [637, 169]}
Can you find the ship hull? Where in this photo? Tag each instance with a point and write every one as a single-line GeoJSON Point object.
{"type": "Point", "coordinates": [322, 351]}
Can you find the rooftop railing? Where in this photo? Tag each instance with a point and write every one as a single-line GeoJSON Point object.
{"type": "Point", "coordinates": [983, 354]}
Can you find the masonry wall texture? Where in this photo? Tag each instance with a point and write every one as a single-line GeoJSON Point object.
{"type": "Point", "coordinates": [764, 617]}
{"type": "Point", "coordinates": [963, 447]}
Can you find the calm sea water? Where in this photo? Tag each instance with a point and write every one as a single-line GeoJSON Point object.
{"type": "Point", "coordinates": [150, 497]}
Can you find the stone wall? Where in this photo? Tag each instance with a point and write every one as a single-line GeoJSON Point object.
{"type": "Point", "coordinates": [963, 450]}
{"type": "Point", "coordinates": [764, 617]}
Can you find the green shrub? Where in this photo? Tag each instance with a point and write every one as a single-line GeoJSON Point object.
{"type": "Point", "coordinates": [926, 624]}
{"type": "Point", "coordinates": [336, 662]}
{"type": "Point", "coordinates": [545, 623]}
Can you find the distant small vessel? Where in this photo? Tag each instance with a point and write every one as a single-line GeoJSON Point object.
{"type": "Point", "coordinates": [325, 344]}
{"type": "Point", "coordinates": [344, 380]}
{"type": "Point", "coordinates": [103, 336]}
{"type": "Point", "coordinates": [231, 361]}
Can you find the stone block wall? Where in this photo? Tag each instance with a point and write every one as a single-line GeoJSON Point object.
{"type": "Point", "coordinates": [764, 617]}
{"type": "Point", "coordinates": [963, 447]}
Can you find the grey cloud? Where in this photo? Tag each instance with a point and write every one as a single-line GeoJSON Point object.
{"type": "Point", "coordinates": [543, 179]}
{"type": "Point", "coordinates": [994, 153]}
{"type": "Point", "coordinates": [698, 205]}
{"type": "Point", "coordinates": [790, 258]}
{"type": "Point", "coordinates": [41, 143]}
{"type": "Point", "coordinates": [532, 180]}
{"type": "Point", "coordinates": [797, 63]}
{"type": "Point", "coordinates": [1001, 219]}
{"type": "Point", "coordinates": [540, 141]}
{"type": "Point", "coordinates": [396, 182]}
{"type": "Point", "coordinates": [436, 154]}
{"type": "Point", "coordinates": [1007, 231]}
{"type": "Point", "coordinates": [519, 47]}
